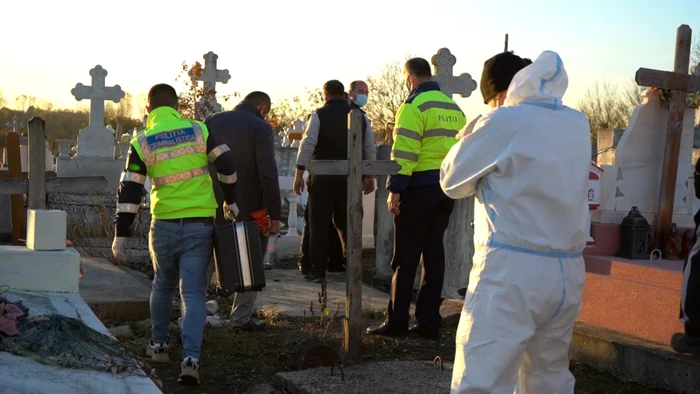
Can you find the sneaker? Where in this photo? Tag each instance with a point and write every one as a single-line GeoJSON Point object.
{"type": "Point", "coordinates": [158, 351]}
{"type": "Point", "coordinates": [189, 374]}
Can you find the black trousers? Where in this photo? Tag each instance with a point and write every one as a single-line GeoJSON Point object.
{"type": "Point", "coordinates": [328, 203]}
{"type": "Point", "coordinates": [418, 232]}
{"type": "Point", "coordinates": [337, 255]}
{"type": "Point", "coordinates": [690, 293]}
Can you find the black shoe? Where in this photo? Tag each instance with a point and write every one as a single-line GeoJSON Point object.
{"type": "Point", "coordinates": [251, 325]}
{"type": "Point", "coordinates": [462, 292]}
{"type": "Point", "coordinates": [685, 344]}
{"type": "Point", "coordinates": [387, 330]}
{"type": "Point", "coordinates": [428, 333]}
{"type": "Point", "coordinates": [314, 277]}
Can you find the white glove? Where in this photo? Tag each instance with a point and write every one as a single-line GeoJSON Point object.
{"type": "Point", "coordinates": [231, 211]}
{"type": "Point", "coordinates": [118, 247]}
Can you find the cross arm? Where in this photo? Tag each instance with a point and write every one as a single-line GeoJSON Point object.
{"type": "Point", "coordinates": [340, 167]}
{"type": "Point", "coordinates": [114, 93]}
{"type": "Point", "coordinates": [80, 186]}
{"type": "Point", "coordinates": [667, 80]}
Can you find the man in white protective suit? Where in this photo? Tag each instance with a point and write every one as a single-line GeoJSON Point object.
{"type": "Point", "coordinates": [527, 162]}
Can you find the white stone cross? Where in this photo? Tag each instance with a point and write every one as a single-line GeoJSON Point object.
{"type": "Point", "coordinates": [210, 76]}
{"type": "Point", "coordinates": [15, 124]}
{"type": "Point", "coordinates": [98, 93]}
{"type": "Point", "coordinates": [450, 84]}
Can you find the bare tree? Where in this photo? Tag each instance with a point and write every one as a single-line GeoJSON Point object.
{"type": "Point", "coordinates": [608, 106]}
{"type": "Point", "coordinates": [286, 111]}
{"type": "Point", "coordinates": [387, 92]}
{"type": "Point", "coordinates": [3, 101]}
{"type": "Point", "coordinates": [24, 102]}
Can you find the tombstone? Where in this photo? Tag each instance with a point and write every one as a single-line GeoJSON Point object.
{"type": "Point", "coordinates": [296, 132]}
{"type": "Point", "coordinates": [96, 140]}
{"type": "Point", "coordinates": [210, 75]}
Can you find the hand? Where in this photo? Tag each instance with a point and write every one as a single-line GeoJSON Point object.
{"type": "Point", "coordinates": [393, 202]}
{"type": "Point", "coordinates": [230, 211]}
{"type": "Point", "coordinates": [368, 185]}
{"type": "Point", "coordinates": [468, 129]}
{"type": "Point", "coordinates": [274, 227]}
{"type": "Point", "coordinates": [298, 185]}
{"type": "Point", "coordinates": [118, 246]}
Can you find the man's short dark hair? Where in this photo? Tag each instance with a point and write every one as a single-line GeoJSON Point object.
{"type": "Point", "coordinates": [353, 84]}
{"type": "Point", "coordinates": [162, 95]}
{"type": "Point", "coordinates": [418, 67]}
{"type": "Point", "coordinates": [334, 88]}
{"type": "Point", "coordinates": [259, 98]}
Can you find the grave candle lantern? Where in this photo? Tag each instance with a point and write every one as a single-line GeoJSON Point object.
{"type": "Point", "coordinates": [634, 231]}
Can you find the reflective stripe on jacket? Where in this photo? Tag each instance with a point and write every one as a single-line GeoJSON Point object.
{"type": "Point", "coordinates": [426, 128]}
{"type": "Point", "coordinates": [175, 153]}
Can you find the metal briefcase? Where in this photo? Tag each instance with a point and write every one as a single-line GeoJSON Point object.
{"type": "Point", "coordinates": [238, 258]}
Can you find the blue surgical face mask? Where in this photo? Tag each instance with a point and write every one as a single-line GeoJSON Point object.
{"type": "Point", "coordinates": [361, 100]}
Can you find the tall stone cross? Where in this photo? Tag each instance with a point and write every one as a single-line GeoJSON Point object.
{"type": "Point", "coordinates": [679, 82]}
{"type": "Point", "coordinates": [15, 124]}
{"type": "Point", "coordinates": [210, 76]}
{"type": "Point", "coordinates": [459, 235]}
{"type": "Point", "coordinates": [354, 168]}
{"type": "Point", "coordinates": [98, 93]}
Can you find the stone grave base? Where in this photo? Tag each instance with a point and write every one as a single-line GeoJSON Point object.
{"type": "Point", "coordinates": [115, 294]}
{"type": "Point", "coordinates": [29, 270]}
{"type": "Point", "coordinates": [634, 297]}
{"type": "Point", "coordinates": [635, 360]}
{"type": "Point", "coordinates": [369, 378]}
{"type": "Point", "coordinates": [49, 379]}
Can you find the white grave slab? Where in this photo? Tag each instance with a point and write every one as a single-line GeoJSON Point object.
{"type": "Point", "coordinates": [48, 379]}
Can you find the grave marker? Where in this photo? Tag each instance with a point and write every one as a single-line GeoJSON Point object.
{"type": "Point", "coordinates": [458, 244]}
{"type": "Point", "coordinates": [94, 140]}
{"type": "Point", "coordinates": [210, 76]}
{"type": "Point", "coordinates": [680, 83]}
{"type": "Point", "coordinates": [354, 168]}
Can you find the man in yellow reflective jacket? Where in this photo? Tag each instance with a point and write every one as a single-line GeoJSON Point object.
{"type": "Point", "coordinates": [174, 153]}
{"type": "Point", "coordinates": [426, 127]}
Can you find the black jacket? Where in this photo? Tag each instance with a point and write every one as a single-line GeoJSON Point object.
{"type": "Point", "coordinates": [251, 139]}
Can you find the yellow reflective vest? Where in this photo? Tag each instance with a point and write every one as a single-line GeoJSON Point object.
{"type": "Point", "coordinates": [425, 129]}
{"type": "Point", "coordinates": [175, 153]}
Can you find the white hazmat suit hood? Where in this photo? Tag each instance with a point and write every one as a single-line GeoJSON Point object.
{"type": "Point", "coordinates": [527, 162]}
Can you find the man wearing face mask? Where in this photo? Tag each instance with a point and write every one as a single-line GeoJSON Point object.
{"type": "Point", "coordinates": [689, 341]}
{"type": "Point", "coordinates": [326, 138]}
{"type": "Point", "coordinates": [425, 129]}
{"type": "Point", "coordinates": [527, 163]}
{"type": "Point", "coordinates": [251, 139]}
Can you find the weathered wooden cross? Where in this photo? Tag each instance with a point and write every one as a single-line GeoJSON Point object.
{"type": "Point", "coordinates": [210, 76]}
{"type": "Point", "coordinates": [38, 185]}
{"type": "Point", "coordinates": [354, 167]}
{"type": "Point", "coordinates": [680, 83]}
{"type": "Point", "coordinates": [98, 93]}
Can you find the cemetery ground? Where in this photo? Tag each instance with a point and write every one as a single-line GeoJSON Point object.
{"type": "Point", "coordinates": [242, 362]}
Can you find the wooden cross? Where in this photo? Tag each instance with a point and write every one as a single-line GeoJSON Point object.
{"type": "Point", "coordinates": [37, 185]}
{"type": "Point", "coordinates": [14, 124]}
{"type": "Point", "coordinates": [680, 83]}
{"type": "Point", "coordinates": [506, 47]}
{"type": "Point", "coordinates": [98, 93]}
{"type": "Point", "coordinates": [210, 76]}
{"type": "Point", "coordinates": [450, 84]}
{"type": "Point", "coordinates": [354, 167]}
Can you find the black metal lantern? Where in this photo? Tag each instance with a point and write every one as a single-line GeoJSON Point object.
{"type": "Point", "coordinates": [634, 236]}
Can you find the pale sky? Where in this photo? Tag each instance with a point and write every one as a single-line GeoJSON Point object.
{"type": "Point", "coordinates": [283, 47]}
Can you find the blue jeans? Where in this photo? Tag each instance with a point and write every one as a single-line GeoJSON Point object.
{"type": "Point", "coordinates": [180, 253]}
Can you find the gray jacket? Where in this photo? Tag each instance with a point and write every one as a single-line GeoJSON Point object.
{"type": "Point", "coordinates": [251, 139]}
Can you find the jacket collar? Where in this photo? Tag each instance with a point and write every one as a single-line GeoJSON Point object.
{"type": "Point", "coordinates": [422, 88]}
{"type": "Point", "coordinates": [161, 114]}
{"type": "Point", "coordinates": [248, 106]}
